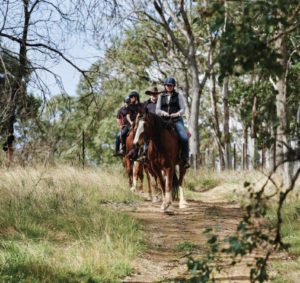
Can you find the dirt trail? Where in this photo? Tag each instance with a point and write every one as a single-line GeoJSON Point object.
{"type": "Point", "coordinates": [162, 260]}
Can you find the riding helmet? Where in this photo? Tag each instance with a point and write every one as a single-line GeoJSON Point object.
{"type": "Point", "coordinates": [134, 94]}
{"type": "Point", "coordinates": [127, 99]}
{"type": "Point", "coordinates": [170, 81]}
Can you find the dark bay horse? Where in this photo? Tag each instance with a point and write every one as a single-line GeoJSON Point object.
{"type": "Point", "coordinates": [163, 154]}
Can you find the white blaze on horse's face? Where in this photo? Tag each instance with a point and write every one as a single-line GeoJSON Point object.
{"type": "Point", "coordinates": [139, 131]}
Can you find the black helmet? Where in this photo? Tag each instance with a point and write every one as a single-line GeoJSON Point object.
{"type": "Point", "coordinates": [170, 81]}
{"type": "Point", "coordinates": [134, 94]}
{"type": "Point", "coordinates": [127, 99]}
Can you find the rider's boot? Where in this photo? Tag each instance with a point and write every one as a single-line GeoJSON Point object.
{"type": "Point", "coordinates": [186, 163]}
{"type": "Point", "coordinates": [143, 155]}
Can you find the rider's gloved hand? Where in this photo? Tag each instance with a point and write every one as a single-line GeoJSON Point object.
{"type": "Point", "coordinates": [175, 115]}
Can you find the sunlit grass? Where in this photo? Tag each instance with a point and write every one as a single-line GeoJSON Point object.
{"type": "Point", "coordinates": [288, 271]}
{"type": "Point", "coordinates": [56, 226]}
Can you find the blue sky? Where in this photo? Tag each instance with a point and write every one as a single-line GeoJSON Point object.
{"type": "Point", "coordinates": [83, 55]}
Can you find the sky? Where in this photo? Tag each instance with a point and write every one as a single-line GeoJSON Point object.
{"type": "Point", "coordinates": [84, 55]}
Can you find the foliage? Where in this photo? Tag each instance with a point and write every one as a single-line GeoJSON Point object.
{"type": "Point", "coordinates": [251, 234]}
{"type": "Point", "coordinates": [185, 247]}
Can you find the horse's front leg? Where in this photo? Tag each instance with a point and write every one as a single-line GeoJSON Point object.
{"type": "Point", "coordinates": [135, 173]}
{"type": "Point", "coordinates": [168, 187]}
{"type": "Point", "coordinates": [128, 168]}
{"type": "Point", "coordinates": [161, 183]}
{"type": "Point", "coordinates": [182, 202]}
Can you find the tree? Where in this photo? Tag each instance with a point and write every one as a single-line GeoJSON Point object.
{"type": "Point", "coordinates": [258, 41]}
{"type": "Point", "coordinates": [34, 32]}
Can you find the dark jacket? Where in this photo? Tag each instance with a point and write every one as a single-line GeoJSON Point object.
{"type": "Point", "coordinates": [173, 106]}
{"type": "Point", "coordinates": [133, 109]}
{"type": "Point", "coordinates": [121, 114]}
{"type": "Point", "coordinates": [150, 106]}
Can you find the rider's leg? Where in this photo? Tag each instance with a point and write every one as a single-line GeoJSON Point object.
{"type": "Point", "coordinates": [143, 152]}
{"type": "Point", "coordinates": [124, 136]}
{"type": "Point", "coordinates": [118, 142]}
{"type": "Point", "coordinates": [184, 140]}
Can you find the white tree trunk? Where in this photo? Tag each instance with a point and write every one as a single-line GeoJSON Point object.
{"type": "Point", "coordinates": [227, 153]}
{"type": "Point", "coordinates": [281, 103]}
{"type": "Point", "coordinates": [194, 116]}
{"type": "Point", "coordinates": [253, 153]}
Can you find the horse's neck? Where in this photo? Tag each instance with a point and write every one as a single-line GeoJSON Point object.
{"type": "Point", "coordinates": [162, 140]}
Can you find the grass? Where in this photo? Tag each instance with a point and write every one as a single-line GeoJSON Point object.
{"type": "Point", "coordinates": [288, 271]}
{"type": "Point", "coordinates": [201, 181]}
{"type": "Point", "coordinates": [186, 247]}
{"type": "Point", "coordinates": [56, 226]}
{"type": "Point", "coordinates": [228, 184]}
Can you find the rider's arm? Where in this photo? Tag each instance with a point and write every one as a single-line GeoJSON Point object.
{"type": "Point", "coordinates": [119, 122]}
{"type": "Point", "coordinates": [181, 105]}
{"type": "Point", "coordinates": [128, 119]}
{"type": "Point", "coordinates": [158, 110]}
{"type": "Point", "coordinates": [119, 118]}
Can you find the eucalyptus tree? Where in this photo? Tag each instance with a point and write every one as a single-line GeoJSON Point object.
{"type": "Point", "coordinates": [262, 39]}
{"type": "Point", "coordinates": [37, 33]}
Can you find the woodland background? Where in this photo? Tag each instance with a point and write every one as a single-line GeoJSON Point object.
{"type": "Point", "coordinates": [237, 66]}
{"type": "Point", "coordinates": [236, 63]}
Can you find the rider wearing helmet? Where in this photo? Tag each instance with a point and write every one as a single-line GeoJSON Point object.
{"type": "Point", "coordinates": [122, 124]}
{"type": "Point", "coordinates": [134, 106]}
{"type": "Point", "coordinates": [170, 104]}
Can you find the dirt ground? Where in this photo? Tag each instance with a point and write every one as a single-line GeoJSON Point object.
{"type": "Point", "coordinates": [163, 261]}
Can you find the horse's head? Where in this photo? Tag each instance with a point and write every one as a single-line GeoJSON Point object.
{"type": "Point", "coordinates": [139, 131]}
{"type": "Point", "coordinates": [148, 126]}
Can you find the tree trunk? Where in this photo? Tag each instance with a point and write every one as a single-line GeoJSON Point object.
{"type": "Point", "coordinates": [271, 153]}
{"type": "Point", "coordinates": [252, 153]}
{"type": "Point", "coordinates": [193, 122]}
{"type": "Point", "coordinates": [245, 146]}
{"type": "Point", "coordinates": [216, 125]}
{"type": "Point", "coordinates": [281, 102]}
{"type": "Point", "coordinates": [253, 136]}
{"type": "Point", "coordinates": [227, 155]}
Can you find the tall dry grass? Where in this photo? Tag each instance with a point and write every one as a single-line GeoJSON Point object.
{"type": "Point", "coordinates": [56, 226]}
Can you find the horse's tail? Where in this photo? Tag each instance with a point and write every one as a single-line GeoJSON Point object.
{"type": "Point", "coordinates": [175, 187]}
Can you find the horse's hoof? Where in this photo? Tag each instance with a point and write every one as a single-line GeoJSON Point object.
{"type": "Point", "coordinates": [149, 198]}
{"type": "Point", "coordinates": [132, 189]}
{"type": "Point", "coordinates": [155, 200]}
{"type": "Point", "coordinates": [165, 206]}
{"type": "Point", "coordinates": [183, 205]}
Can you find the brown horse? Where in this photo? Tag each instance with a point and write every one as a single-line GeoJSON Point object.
{"type": "Point", "coordinates": [163, 154]}
{"type": "Point", "coordinates": [135, 168]}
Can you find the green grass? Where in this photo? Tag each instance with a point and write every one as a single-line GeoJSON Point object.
{"type": "Point", "coordinates": [186, 247]}
{"type": "Point", "coordinates": [65, 225]}
{"type": "Point", "coordinates": [201, 181]}
{"type": "Point", "coordinates": [287, 271]}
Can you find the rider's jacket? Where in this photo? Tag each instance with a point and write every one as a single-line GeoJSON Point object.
{"type": "Point", "coordinates": [150, 105]}
{"type": "Point", "coordinates": [171, 106]}
{"type": "Point", "coordinates": [133, 109]}
{"type": "Point", "coordinates": [121, 114]}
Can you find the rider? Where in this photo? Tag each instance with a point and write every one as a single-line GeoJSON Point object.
{"type": "Point", "coordinates": [122, 124]}
{"type": "Point", "coordinates": [134, 106]}
{"type": "Point", "coordinates": [171, 105]}
{"type": "Point", "coordinates": [149, 106]}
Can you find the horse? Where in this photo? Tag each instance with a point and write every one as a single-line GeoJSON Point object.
{"type": "Point", "coordinates": [135, 168]}
{"type": "Point", "coordinates": [163, 154]}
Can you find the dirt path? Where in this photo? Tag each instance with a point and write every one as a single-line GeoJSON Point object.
{"type": "Point", "coordinates": [165, 233]}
